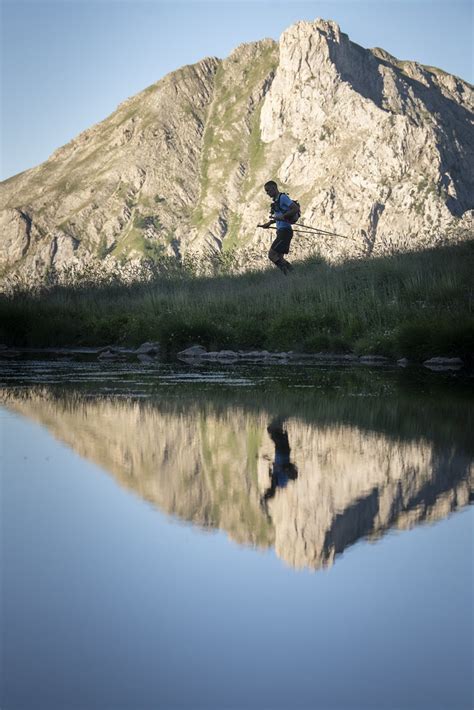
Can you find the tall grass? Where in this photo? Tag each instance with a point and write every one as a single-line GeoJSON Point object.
{"type": "Point", "coordinates": [417, 304]}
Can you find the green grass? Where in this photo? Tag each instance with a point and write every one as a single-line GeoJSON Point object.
{"type": "Point", "coordinates": [416, 305]}
{"type": "Point", "coordinates": [226, 143]}
{"type": "Point", "coordinates": [233, 232]}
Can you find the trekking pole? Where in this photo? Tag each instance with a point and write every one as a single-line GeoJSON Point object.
{"type": "Point", "coordinates": [311, 230]}
{"type": "Point", "coordinates": [323, 231]}
{"type": "Point", "coordinates": [294, 230]}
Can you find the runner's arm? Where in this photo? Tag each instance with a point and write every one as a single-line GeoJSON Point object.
{"type": "Point", "coordinates": [288, 208]}
{"type": "Point", "coordinates": [293, 209]}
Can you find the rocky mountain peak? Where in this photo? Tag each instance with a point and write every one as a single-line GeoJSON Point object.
{"type": "Point", "coordinates": [376, 148]}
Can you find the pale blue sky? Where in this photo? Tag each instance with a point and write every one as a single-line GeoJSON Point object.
{"type": "Point", "coordinates": [67, 64]}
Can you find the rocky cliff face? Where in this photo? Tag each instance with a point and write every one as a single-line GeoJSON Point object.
{"type": "Point", "coordinates": [373, 147]}
{"type": "Point", "coordinates": [213, 469]}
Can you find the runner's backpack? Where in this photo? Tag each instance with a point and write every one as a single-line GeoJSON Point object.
{"type": "Point", "coordinates": [296, 216]}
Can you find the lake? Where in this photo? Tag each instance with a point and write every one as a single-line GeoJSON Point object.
{"type": "Point", "coordinates": [281, 537]}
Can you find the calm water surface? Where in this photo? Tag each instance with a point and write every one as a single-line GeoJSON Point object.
{"type": "Point", "coordinates": [234, 537]}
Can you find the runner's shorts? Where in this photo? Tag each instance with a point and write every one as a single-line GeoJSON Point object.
{"type": "Point", "coordinates": [282, 242]}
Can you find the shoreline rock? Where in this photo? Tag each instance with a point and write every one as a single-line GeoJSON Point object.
{"type": "Point", "coordinates": [374, 360]}
{"type": "Point", "coordinates": [149, 349]}
{"type": "Point", "coordinates": [443, 363]}
{"type": "Point", "coordinates": [197, 353]}
{"type": "Point", "coordinates": [149, 353]}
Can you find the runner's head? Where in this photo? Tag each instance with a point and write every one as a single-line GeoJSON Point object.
{"type": "Point", "coordinates": [271, 188]}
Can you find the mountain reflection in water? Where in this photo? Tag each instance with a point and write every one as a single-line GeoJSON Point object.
{"type": "Point", "coordinates": [306, 474]}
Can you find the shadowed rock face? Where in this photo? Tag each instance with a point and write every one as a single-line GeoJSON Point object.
{"type": "Point", "coordinates": [309, 489]}
{"type": "Point", "coordinates": [373, 147]}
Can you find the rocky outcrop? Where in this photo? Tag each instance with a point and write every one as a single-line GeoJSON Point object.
{"type": "Point", "coordinates": [16, 226]}
{"type": "Point", "coordinates": [384, 147]}
{"type": "Point", "coordinates": [216, 468]}
{"type": "Point", "coordinates": [117, 184]}
{"type": "Point", "coordinates": [372, 147]}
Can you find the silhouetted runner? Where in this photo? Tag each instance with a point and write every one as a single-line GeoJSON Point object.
{"type": "Point", "coordinates": [282, 469]}
{"type": "Point", "coordinates": [283, 210]}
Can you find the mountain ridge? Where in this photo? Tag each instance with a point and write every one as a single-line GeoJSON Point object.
{"type": "Point", "coordinates": [370, 145]}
